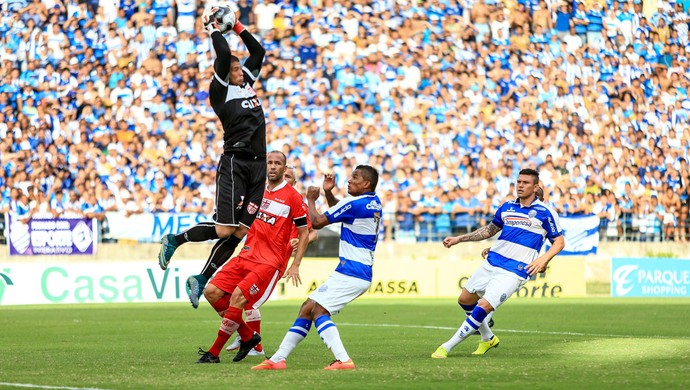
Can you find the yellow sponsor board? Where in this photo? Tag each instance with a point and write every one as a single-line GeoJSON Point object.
{"type": "Point", "coordinates": [438, 278]}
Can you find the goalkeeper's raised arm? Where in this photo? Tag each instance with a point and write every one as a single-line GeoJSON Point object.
{"type": "Point", "coordinates": [256, 50]}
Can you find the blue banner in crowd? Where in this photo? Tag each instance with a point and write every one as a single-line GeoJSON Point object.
{"type": "Point", "coordinates": [581, 235]}
{"type": "Point", "coordinates": [150, 227]}
{"type": "Point", "coordinates": [650, 277]}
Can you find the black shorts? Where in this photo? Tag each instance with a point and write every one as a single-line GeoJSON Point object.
{"type": "Point", "coordinates": [240, 185]}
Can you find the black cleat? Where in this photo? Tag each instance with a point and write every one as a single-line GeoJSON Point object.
{"type": "Point", "coordinates": [207, 357]}
{"type": "Point", "coordinates": [247, 346]}
{"type": "Point", "coordinates": [491, 325]}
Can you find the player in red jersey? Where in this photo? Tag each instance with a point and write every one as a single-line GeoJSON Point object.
{"type": "Point", "coordinates": [250, 277]}
{"type": "Point", "coordinates": [253, 315]}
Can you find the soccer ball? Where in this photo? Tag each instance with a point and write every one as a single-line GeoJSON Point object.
{"type": "Point", "coordinates": [224, 13]}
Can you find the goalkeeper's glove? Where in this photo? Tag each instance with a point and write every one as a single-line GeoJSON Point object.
{"type": "Point", "coordinates": [208, 18]}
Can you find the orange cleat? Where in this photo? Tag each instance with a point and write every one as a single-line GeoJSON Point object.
{"type": "Point", "coordinates": [338, 365]}
{"type": "Point", "coordinates": [269, 365]}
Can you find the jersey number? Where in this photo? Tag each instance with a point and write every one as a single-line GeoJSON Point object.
{"type": "Point", "coordinates": [377, 219]}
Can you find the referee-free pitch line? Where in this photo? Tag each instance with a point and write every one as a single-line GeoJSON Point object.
{"type": "Point", "coordinates": [499, 330]}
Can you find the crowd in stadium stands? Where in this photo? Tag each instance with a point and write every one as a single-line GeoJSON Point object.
{"type": "Point", "coordinates": [103, 106]}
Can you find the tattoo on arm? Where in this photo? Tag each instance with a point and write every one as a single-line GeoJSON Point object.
{"type": "Point", "coordinates": [480, 234]}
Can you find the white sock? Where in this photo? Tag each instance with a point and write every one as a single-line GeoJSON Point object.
{"type": "Point", "coordinates": [294, 336]}
{"type": "Point", "coordinates": [468, 327]}
{"type": "Point", "coordinates": [331, 337]}
{"type": "Point", "coordinates": [289, 343]}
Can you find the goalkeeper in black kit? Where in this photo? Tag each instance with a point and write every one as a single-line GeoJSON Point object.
{"type": "Point", "coordinates": [241, 172]}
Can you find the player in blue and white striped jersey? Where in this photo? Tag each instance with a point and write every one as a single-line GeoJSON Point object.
{"type": "Point", "coordinates": [360, 216]}
{"type": "Point", "coordinates": [524, 224]}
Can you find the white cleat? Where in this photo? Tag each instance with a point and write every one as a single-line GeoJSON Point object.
{"type": "Point", "coordinates": [254, 352]}
{"type": "Point", "coordinates": [235, 344]}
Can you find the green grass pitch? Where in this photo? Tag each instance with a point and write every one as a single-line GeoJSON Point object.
{"type": "Point", "coordinates": [545, 344]}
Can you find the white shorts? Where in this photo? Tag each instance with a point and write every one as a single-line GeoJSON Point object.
{"type": "Point", "coordinates": [494, 284]}
{"type": "Point", "coordinates": [339, 290]}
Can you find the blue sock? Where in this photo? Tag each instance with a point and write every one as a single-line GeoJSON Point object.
{"type": "Point", "coordinates": [477, 317]}
{"type": "Point", "coordinates": [301, 327]}
{"type": "Point", "coordinates": [468, 308]}
{"type": "Point", "coordinates": [324, 322]}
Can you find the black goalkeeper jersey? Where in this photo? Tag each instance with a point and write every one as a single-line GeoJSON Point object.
{"type": "Point", "coordinates": [244, 124]}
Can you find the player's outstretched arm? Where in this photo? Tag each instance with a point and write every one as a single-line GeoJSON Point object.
{"type": "Point", "coordinates": [222, 63]}
{"type": "Point", "coordinates": [328, 185]}
{"type": "Point", "coordinates": [223, 54]}
{"type": "Point", "coordinates": [256, 50]}
{"type": "Point", "coordinates": [480, 234]}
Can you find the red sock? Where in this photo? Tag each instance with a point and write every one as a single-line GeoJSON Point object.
{"type": "Point", "coordinates": [234, 314]}
{"type": "Point", "coordinates": [227, 328]}
{"type": "Point", "coordinates": [256, 327]}
{"type": "Point", "coordinates": [222, 304]}
{"type": "Point", "coordinates": [219, 343]}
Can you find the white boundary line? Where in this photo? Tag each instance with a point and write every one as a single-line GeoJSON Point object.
{"type": "Point", "coordinates": [33, 386]}
{"type": "Point", "coordinates": [624, 336]}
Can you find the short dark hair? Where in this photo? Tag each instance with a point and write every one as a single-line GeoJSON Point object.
{"type": "Point", "coordinates": [234, 59]}
{"type": "Point", "coordinates": [369, 174]}
{"type": "Point", "coordinates": [531, 172]}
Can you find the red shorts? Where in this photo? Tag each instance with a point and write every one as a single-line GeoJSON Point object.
{"type": "Point", "coordinates": [255, 280]}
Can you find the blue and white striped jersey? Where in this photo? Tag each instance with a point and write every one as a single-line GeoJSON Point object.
{"type": "Point", "coordinates": [522, 235]}
{"type": "Point", "coordinates": [360, 217]}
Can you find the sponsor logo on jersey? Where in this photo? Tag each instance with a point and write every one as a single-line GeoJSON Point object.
{"type": "Point", "coordinates": [518, 221]}
{"type": "Point", "coordinates": [251, 103]}
{"type": "Point", "coordinates": [269, 219]}
{"type": "Point", "coordinates": [552, 225]}
{"type": "Point", "coordinates": [374, 205]}
{"type": "Point", "coordinates": [344, 209]}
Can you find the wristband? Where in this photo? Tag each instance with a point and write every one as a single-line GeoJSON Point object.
{"type": "Point", "coordinates": [238, 27]}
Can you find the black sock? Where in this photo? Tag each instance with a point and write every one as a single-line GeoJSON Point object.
{"type": "Point", "coordinates": [220, 254]}
{"type": "Point", "coordinates": [199, 233]}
